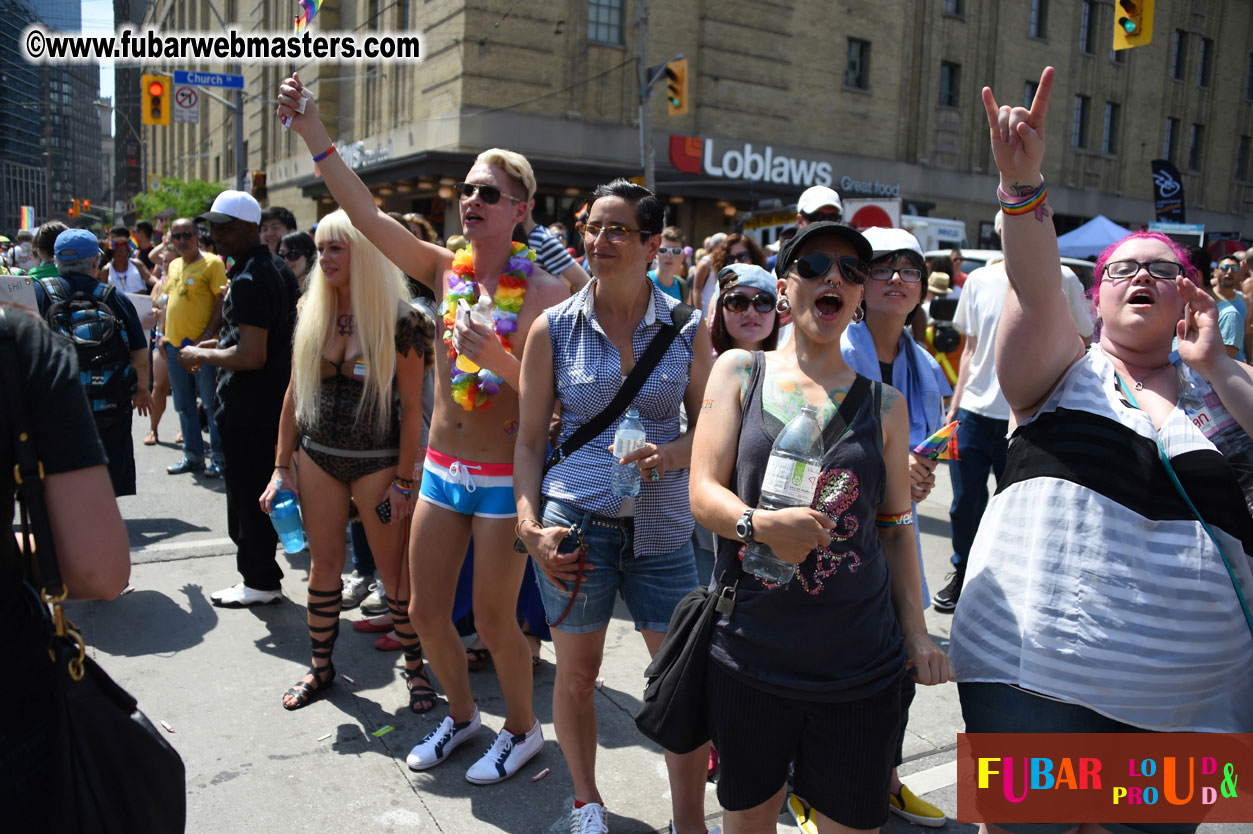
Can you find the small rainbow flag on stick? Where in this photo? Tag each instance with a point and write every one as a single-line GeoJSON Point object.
{"type": "Point", "coordinates": [942, 445]}
{"type": "Point", "coordinates": [26, 215]}
{"type": "Point", "coordinates": [308, 8]}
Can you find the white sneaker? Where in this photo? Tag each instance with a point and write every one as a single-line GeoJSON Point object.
{"type": "Point", "coordinates": [441, 741]}
{"type": "Point", "coordinates": [590, 819]}
{"type": "Point", "coordinates": [356, 588]}
{"type": "Point", "coordinates": [376, 603]}
{"type": "Point", "coordinates": [715, 830]}
{"type": "Point", "coordinates": [241, 596]}
{"type": "Point", "coordinates": [507, 753]}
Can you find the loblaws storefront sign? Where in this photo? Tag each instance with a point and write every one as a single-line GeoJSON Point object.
{"type": "Point", "coordinates": [694, 155]}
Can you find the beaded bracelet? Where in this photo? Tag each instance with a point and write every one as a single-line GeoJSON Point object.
{"type": "Point", "coordinates": [894, 520]}
{"type": "Point", "coordinates": [1026, 206]}
{"type": "Point", "coordinates": [325, 153]}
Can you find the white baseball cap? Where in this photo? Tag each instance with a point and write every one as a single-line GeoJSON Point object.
{"type": "Point", "coordinates": [233, 205]}
{"type": "Point", "coordinates": [816, 197]}
{"type": "Point", "coordinates": [885, 241]}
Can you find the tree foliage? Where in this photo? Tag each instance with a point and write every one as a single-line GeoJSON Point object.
{"type": "Point", "coordinates": [177, 198]}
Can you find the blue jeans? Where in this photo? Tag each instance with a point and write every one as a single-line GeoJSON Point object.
{"type": "Point", "coordinates": [185, 386]}
{"type": "Point", "coordinates": [981, 446]}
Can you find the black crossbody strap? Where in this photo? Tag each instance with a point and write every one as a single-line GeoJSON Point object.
{"type": "Point", "coordinates": [27, 471]}
{"type": "Point", "coordinates": [656, 349]}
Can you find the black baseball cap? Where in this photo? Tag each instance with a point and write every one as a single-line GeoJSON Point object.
{"type": "Point", "coordinates": [790, 250]}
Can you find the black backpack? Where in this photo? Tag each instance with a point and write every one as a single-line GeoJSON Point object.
{"type": "Point", "coordinates": [100, 338]}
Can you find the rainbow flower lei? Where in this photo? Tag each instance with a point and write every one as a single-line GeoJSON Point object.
{"type": "Point", "coordinates": [473, 390]}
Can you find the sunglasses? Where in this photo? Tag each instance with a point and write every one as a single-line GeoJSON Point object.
{"type": "Point", "coordinates": [1161, 270]}
{"type": "Point", "coordinates": [182, 235]}
{"type": "Point", "coordinates": [744, 257]}
{"type": "Point", "coordinates": [670, 250]}
{"type": "Point", "coordinates": [489, 194]}
{"type": "Point", "coordinates": [818, 264]}
{"type": "Point", "coordinates": [824, 216]}
{"type": "Point", "coordinates": [737, 302]}
{"type": "Point", "coordinates": [1228, 267]}
{"type": "Point", "coordinates": [290, 255]}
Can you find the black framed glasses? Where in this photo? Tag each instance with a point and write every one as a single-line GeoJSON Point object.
{"type": "Point", "coordinates": [489, 194]}
{"type": "Point", "coordinates": [824, 216]}
{"type": "Point", "coordinates": [909, 275]}
{"type": "Point", "coordinates": [290, 255]}
{"type": "Point", "coordinates": [613, 232]}
{"type": "Point", "coordinates": [670, 250]}
{"type": "Point", "coordinates": [738, 302]}
{"type": "Point", "coordinates": [1161, 270]}
{"type": "Point", "coordinates": [818, 264]}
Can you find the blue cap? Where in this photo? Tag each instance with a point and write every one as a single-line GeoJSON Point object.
{"type": "Point", "coordinates": [747, 275]}
{"type": "Point", "coordinates": [75, 244]}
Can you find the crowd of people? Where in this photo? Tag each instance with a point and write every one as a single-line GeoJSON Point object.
{"type": "Point", "coordinates": [451, 404]}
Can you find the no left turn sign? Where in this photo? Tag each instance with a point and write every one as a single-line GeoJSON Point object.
{"type": "Point", "coordinates": [186, 104]}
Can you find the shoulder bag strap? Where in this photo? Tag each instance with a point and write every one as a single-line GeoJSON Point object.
{"type": "Point", "coordinates": [657, 348]}
{"type": "Point", "coordinates": [846, 415]}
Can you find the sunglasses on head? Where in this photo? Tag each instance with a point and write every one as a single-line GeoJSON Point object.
{"type": "Point", "coordinates": [670, 250]}
{"type": "Point", "coordinates": [818, 264]}
{"type": "Point", "coordinates": [737, 302]}
{"type": "Point", "coordinates": [489, 194]}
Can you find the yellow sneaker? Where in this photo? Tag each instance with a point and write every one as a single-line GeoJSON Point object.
{"type": "Point", "coordinates": [905, 804]}
{"type": "Point", "coordinates": [803, 813]}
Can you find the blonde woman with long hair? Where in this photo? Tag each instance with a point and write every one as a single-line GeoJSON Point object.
{"type": "Point", "coordinates": [353, 414]}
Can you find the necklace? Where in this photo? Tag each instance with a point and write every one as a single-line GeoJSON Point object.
{"type": "Point", "coordinates": [472, 386]}
{"type": "Point", "coordinates": [1139, 383]}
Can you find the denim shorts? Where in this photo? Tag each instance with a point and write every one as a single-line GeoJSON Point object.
{"type": "Point", "coordinates": [1004, 708]}
{"type": "Point", "coordinates": [651, 585]}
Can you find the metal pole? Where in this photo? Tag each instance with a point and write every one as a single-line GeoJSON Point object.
{"type": "Point", "coordinates": [646, 122]}
{"type": "Point", "coordinates": [240, 162]}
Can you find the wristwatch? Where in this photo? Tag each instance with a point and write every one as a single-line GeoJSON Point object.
{"type": "Point", "coordinates": [744, 527]}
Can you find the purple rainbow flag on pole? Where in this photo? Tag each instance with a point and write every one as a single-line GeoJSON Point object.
{"type": "Point", "coordinates": [942, 445]}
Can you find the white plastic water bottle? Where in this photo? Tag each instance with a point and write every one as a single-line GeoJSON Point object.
{"type": "Point", "coordinates": [629, 438]}
{"type": "Point", "coordinates": [791, 480]}
{"type": "Point", "coordinates": [1207, 413]}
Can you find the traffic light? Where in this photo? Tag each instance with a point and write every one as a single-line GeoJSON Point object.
{"type": "Point", "coordinates": [1133, 23]}
{"type": "Point", "coordinates": [74, 209]}
{"type": "Point", "coordinates": [156, 95]}
{"type": "Point", "coordinates": [86, 205]}
{"type": "Point", "coordinates": [676, 87]}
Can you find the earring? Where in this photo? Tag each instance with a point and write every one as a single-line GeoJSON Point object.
{"type": "Point", "coordinates": [858, 314]}
{"type": "Point", "coordinates": [782, 305]}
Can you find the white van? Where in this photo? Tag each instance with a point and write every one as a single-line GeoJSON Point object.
{"type": "Point", "coordinates": [935, 232]}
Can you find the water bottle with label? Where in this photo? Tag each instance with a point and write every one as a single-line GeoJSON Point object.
{"type": "Point", "coordinates": [1206, 411]}
{"type": "Point", "coordinates": [480, 313]}
{"type": "Point", "coordinates": [629, 438]}
{"type": "Point", "coordinates": [285, 516]}
{"type": "Point", "coordinates": [791, 480]}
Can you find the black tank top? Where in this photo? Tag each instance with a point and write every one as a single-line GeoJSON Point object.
{"type": "Point", "coordinates": [831, 634]}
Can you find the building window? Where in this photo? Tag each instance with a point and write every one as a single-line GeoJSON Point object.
{"type": "Point", "coordinates": [1178, 54]}
{"type": "Point", "coordinates": [1195, 147]}
{"type": "Point", "coordinates": [604, 21]}
{"type": "Point", "coordinates": [1109, 133]}
{"type": "Point", "coordinates": [1086, 38]}
{"type": "Point", "coordinates": [1039, 18]}
{"type": "Point", "coordinates": [1079, 130]}
{"type": "Point", "coordinates": [1248, 80]}
{"type": "Point", "coordinates": [1204, 63]}
{"type": "Point", "coordinates": [1171, 140]}
{"type": "Point", "coordinates": [857, 72]}
{"type": "Point", "coordinates": [1242, 159]}
{"type": "Point", "coordinates": [950, 79]}
{"type": "Point", "coordinates": [404, 15]}
{"type": "Point", "coordinates": [955, 7]}
{"type": "Point", "coordinates": [1028, 94]}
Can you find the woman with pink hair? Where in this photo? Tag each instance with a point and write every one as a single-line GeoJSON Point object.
{"type": "Point", "coordinates": [1107, 587]}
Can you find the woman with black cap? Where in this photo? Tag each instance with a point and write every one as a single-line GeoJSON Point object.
{"type": "Point", "coordinates": [857, 574]}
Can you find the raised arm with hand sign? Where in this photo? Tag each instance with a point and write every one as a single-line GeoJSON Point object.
{"type": "Point", "coordinates": [1037, 339]}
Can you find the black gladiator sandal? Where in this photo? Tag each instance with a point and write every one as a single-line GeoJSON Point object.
{"type": "Point", "coordinates": [420, 690]}
{"type": "Point", "coordinates": [323, 605]}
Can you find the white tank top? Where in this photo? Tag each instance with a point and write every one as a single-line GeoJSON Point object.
{"type": "Point", "coordinates": [128, 281]}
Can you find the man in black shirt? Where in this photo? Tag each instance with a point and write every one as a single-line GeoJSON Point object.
{"type": "Point", "coordinates": [253, 357]}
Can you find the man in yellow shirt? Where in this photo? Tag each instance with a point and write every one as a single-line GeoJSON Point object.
{"type": "Point", "coordinates": [195, 287]}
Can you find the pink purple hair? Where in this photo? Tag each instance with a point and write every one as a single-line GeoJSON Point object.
{"type": "Point", "coordinates": [1179, 252]}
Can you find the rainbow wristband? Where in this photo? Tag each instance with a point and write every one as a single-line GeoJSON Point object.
{"type": "Point", "coordinates": [402, 490]}
{"type": "Point", "coordinates": [1026, 206]}
{"type": "Point", "coordinates": [324, 154]}
{"type": "Point", "coordinates": [890, 520]}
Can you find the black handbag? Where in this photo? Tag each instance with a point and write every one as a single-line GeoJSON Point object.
{"type": "Point", "coordinates": [112, 771]}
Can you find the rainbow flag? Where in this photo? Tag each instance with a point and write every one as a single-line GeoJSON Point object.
{"type": "Point", "coordinates": [27, 217]}
{"type": "Point", "coordinates": [308, 8]}
{"type": "Point", "coordinates": [942, 445]}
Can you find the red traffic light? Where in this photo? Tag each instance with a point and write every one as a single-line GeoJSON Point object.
{"type": "Point", "coordinates": [155, 88]}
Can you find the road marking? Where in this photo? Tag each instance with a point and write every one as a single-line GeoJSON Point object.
{"type": "Point", "coordinates": [183, 545]}
{"type": "Point", "coordinates": [932, 779]}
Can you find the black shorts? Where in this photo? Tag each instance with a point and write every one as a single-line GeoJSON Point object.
{"type": "Point", "coordinates": [842, 750]}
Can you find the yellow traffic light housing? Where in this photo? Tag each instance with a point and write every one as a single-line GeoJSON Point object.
{"type": "Point", "coordinates": [74, 210]}
{"type": "Point", "coordinates": [676, 87]}
{"type": "Point", "coordinates": [1133, 23]}
{"type": "Point", "coordinates": [156, 95]}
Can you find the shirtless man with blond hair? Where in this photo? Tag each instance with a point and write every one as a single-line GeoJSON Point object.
{"type": "Point", "coordinates": [467, 487]}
